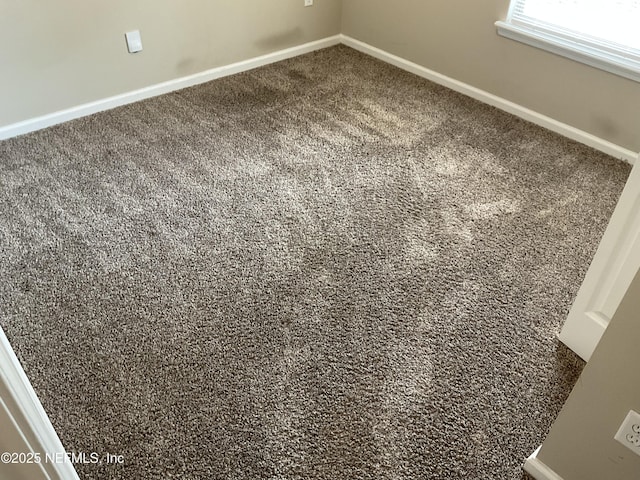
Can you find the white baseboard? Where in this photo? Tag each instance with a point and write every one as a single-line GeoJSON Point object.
{"type": "Point", "coordinates": [495, 101]}
{"type": "Point", "coordinates": [568, 131]}
{"type": "Point", "coordinates": [61, 116]}
{"type": "Point", "coordinates": [30, 422]}
{"type": "Point", "coordinates": [539, 470]}
{"type": "Point", "coordinates": [582, 330]}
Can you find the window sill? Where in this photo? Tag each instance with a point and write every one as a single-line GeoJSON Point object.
{"type": "Point", "coordinates": [573, 50]}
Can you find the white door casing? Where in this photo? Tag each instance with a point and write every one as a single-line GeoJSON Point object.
{"type": "Point", "coordinates": [614, 266]}
{"type": "Point", "coordinates": [26, 427]}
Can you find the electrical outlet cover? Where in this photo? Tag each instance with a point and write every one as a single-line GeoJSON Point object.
{"type": "Point", "coordinates": [629, 432]}
{"type": "Point", "coordinates": [134, 41]}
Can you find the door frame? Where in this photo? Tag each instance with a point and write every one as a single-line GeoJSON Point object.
{"type": "Point", "coordinates": [612, 269]}
{"type": "Point", "coordinates": [29, 418]}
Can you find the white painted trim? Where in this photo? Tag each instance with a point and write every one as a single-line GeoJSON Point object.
{"type": "Point", "coordinates": [613, 268]}
{"type": "Point", "coordinates": [495, 101]}
{"type": "Point", "coordinates": [28, 414]}
{"type": "Point", "coordinates": [539, 470]}
{"type": "Point", "coordinates": [14, 441]}
{"type": "Point", "coordinates": [616, 64]}
{"type": "Point", "coordinates": [61, 116]}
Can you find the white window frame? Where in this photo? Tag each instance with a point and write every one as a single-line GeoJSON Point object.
{"type": "Point", "coordinates": [567, 45]}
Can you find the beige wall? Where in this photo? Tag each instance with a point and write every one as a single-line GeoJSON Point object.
{"type": "Point", "coordinates": [56, 55]}
{"type": "Point", "coordinates": [580, 445]}
{"type": "Point", "coordinates": [457, 38]}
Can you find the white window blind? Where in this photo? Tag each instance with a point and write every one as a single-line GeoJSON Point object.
{"type": "Point", "coordinates": [602, 33]}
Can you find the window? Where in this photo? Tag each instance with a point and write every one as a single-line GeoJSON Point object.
{"type": "Point", "coordinates": [600, 33]}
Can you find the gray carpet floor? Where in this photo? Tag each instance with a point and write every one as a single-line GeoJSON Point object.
{"type": "Point", "coordinates": [326, 268]}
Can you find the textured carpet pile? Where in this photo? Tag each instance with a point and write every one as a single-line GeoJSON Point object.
{"type": "Point", "coordinates": [325, 268]}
